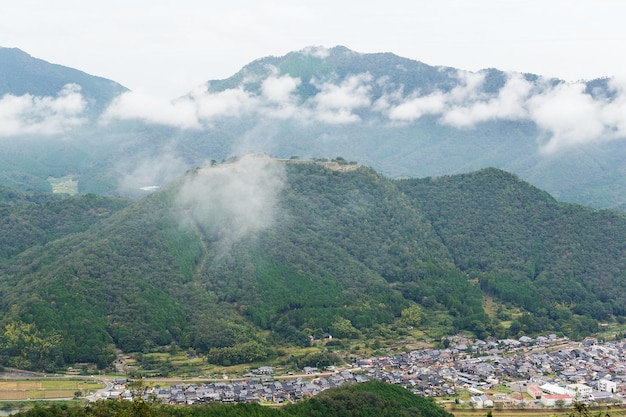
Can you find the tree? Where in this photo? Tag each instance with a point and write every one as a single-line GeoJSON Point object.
{"type": "Point", "coordinates": [27, 346]}
{"type": "Point", "coordinates": [412, 315]}
{"type": "Point", "coordinates": [343, 328]}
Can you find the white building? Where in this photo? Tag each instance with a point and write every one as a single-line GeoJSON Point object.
{"type": "Point", "coordinates": [578, 391]}
{"type": "Point", "coordinates": [553, 389]}
{"type": "Point", "coordinates": [550, 400]}
{"type": "Point", "coordinates": [607, 386]}
{"type": "Point", "coordinates": [482, 401]}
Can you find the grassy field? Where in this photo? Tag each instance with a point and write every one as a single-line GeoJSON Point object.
{"type": "Point", "coordinates": [64, 185]}
{"type": "Point", "coordinates": [15, 390]}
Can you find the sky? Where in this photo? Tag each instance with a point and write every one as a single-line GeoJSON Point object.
{"type": "Point", "coordinates": [167, 49]}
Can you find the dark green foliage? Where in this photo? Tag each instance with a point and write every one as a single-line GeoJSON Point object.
{"type": "Point", "coordinates": [367, 399]}
{"type": "Point", "coordinates": [27, 220]}
{"type": "Point", "coordinates": [240, 353]}
{"type": "Point", "coordinates": [347, 253]}
{"type": "Point", "coordinates": [523, 247]}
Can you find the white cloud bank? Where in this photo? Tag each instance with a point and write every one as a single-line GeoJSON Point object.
{"type": "Point", "coordinates": [34, 115]}
{"type": "Point", "coordinates": [334, 104]}
{"type": "Point", "coordinates": [564, 112]}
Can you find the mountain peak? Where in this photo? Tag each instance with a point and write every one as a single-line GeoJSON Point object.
{"type": "Point", "coordinates": [21, 74]}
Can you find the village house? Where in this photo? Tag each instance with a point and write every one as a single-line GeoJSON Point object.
{"type": "Point", "coordinates": [481, 401]}
{"type": "Point", "coordinates": [551, 400]}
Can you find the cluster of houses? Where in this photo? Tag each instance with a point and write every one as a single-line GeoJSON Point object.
{"type": "Point", "coordinates": [541, 372]}
{"type": "Point", "coordinates": [551, 371]}
{"type": "Point", "coordinates": [252, 388]}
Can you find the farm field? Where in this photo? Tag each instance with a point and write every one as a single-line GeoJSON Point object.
{"type": "Point", "coordinates": [615, 412]}
{"type": "Point", "coordinates": [45, 389]}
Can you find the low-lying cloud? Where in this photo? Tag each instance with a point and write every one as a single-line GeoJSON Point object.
{"type": "Point", "coordinates": [565, 112]}
{"type": "Point", "coordinates": [42, 115]}
{"type": "Point", "coordinates": [278, 99]}
{"type": "Point", "coordinates": [232, 201]}
{"type": "Point", "coordinates": [150, 109]}
{"type": "Point", "coordinates": [573, 117]}
{"type": "Point", "coordinates": [149, 172]}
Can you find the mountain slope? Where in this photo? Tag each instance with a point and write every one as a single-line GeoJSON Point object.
{"type": "Point", "coordinates": [525, 247]}
{"type": "Point", "coordinates": [408, 119]}
{"type": "Point", "coordinates": [22, 74]}
{"type": "Point", "coordinates": [169, 269]}
{"type": "Point", "coordinates": [402, 117]}
{"type": "Point", "coordinates": [237, 258]}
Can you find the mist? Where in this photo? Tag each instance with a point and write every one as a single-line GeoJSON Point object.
{"type": "Point", "coordinates": [42, 115]}
{"type": "Point", "coordinates": [565, 113]}
{"type": "Point", "coordinates": [150, 172]}
{"type": "Point", "coordinates": [232, 201]}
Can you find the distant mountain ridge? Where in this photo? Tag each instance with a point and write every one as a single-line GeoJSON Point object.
{"type": "Point", "coordinates": [402, 117]}
{"type": "Point", "coordinates": [22, 74]}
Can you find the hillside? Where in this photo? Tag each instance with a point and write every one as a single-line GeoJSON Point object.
{"type": "Point", "coordinates": [22, 74]}
{"type": "Point", "coordinates": [526, 248]}
{"type": "Point", "coordinates": [238, 258]}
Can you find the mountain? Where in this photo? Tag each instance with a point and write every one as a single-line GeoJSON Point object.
{"type": "Point", "coordinates": [240, 257]}
{"type": "Point", "coordinates": [50, 126]}
{"type": "Point", "coordinates": [405, 118]}
{"type": "Point", "coordinates": [22, 74]}
{"type": "Point", "coordinates": [402, 117]}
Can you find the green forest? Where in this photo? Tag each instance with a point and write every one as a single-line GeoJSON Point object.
{"type": "Point", "coordinates": [345, 252]}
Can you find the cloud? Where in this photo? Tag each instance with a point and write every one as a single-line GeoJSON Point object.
{"type": "Point", "coordinates": [335, 104]}
{"type": "Point", "coordinates": [281, 101]}
{"type": "Point", "coordinates": [27, 114]}
{"type": "Point", "coordinates": [568, 114]}
{"type": "Point", "coordinates": [280, 89]}
{"type": "Point", "coordinates": [565, 113]}
{"type": "Point", "coordinates": [572, 117]}
{"type": "Point", "coordinates": [416, 106]}
{"type": "Point", "coordinates": [138, 106]}
{"type": "Point", "coordinates": [194, 111]}
{"type": "Point", "coordinates": [317, 51]}
{"type": "Point", "coordinates": [233, 102]}
{"type": "Point", "coordinates": [149, 171]}
{"type": "Point", "coordinates": [509, 104]}
{"type": "Point", "coordinates": [232, 201]}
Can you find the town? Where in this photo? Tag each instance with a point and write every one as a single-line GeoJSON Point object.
{"type": "Point", "coordinates": [543, 372]}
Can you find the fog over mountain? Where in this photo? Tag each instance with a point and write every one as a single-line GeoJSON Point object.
{"type": "Point", "coordinates": [399, 116]}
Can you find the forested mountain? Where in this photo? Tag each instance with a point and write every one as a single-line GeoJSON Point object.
{"type": "Point", "coordinates": [526, 248]}
{"type": "Point", "coordinates": [402, 117]}
{"type": "Point", "coordinates": [22, 74]}
{"type": "Point", "coordinates": [240, 257]}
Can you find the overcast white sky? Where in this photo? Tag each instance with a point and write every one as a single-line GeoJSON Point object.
{"type": "Point", "coordinates": [167, 48]}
